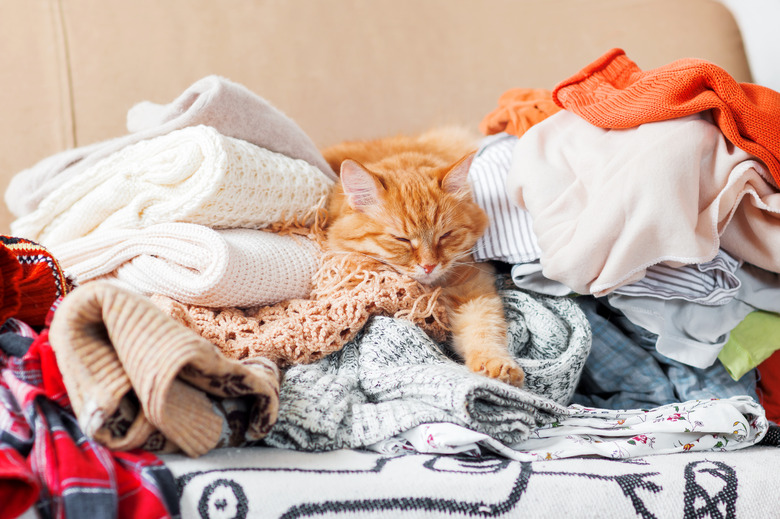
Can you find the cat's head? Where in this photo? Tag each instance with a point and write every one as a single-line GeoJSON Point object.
{"type": "Point", "coordinates": [418, 218]}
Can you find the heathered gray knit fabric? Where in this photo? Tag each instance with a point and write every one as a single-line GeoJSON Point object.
{"type": "Point", "coordinates": [550, 337]}
{"type": "Point", "coordinates": [393, 377]}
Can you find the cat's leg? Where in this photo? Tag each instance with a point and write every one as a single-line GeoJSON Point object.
{"type": "Point", "coordinates": [479, 330]}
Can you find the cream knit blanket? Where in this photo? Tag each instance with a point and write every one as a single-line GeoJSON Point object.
{"type": "Point", "coordinates": [193, 175]}
{"type": "Point", "coordinates": [195, 264]}
{"type": "Point", "coordinates": [230, 108]}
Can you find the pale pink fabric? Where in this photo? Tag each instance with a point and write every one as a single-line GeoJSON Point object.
{"type": "Point", "coordinates": [607, 204]}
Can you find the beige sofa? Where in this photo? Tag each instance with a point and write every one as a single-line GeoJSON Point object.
{"type": "Point", "coordinates": [72, 68]}
{"type": "Point", "coordinates": [344, 69]}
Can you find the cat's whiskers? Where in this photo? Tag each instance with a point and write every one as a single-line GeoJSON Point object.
{"type": "Point", "coordinates": [478, 247]}
{"type": "Point", "coordinates": [363, 254]}
{"type": "Point", "coordinates": [473, 264]}
{"type": "Point", "coordinates": [461, 255]}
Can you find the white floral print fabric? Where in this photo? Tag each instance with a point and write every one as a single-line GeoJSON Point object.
{"type": "Point", "coordinates": [696, 425]}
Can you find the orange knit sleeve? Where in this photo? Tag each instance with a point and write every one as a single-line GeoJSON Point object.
{"type": "Point", "coordinates": [518, 109]}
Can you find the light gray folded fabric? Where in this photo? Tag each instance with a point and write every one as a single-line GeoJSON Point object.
{"type": "Point", "coordinates": [393, 377]}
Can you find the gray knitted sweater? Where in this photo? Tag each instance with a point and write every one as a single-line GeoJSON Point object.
{"type": "Point", "coordinates": [393, 377]}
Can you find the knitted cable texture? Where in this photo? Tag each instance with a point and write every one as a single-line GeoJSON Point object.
{"type": "Point", "coordinates": [193, 175]}
{"type": "Point", "coordinates": [347, 291]}
{"type": "Point", "coordinates": [551, 339]}
{"type": "Point", "coordinates": [613, 92]}
{"type": "Point", "coordinates": [195, 264]}
{"type": "Point", "coordinates": [391, 378]}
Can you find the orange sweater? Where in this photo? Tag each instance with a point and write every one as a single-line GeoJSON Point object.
{"type": "Point", "coordinates": [613, 92]}
{"type": "Point", "coordinates": [518, 109]}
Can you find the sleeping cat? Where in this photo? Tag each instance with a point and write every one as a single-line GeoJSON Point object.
{"type": "Point", "coordinates": [405, 201]}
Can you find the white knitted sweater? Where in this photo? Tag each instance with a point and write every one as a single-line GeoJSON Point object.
{"type": "Point", "coordinates": [193, 175]}
{"type": "Point", "coordinates": [195, 264]}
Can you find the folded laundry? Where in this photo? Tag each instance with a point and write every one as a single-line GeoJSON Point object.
{"type": "Point", "coordinates": [510, 238]}
{"type": "Point", "coordinates": [693, 333]}
{"type": "Point", "coordinates": [193, 175]}
{"type": "Point", "coordinates": [46, 458]}
{"type": "Point", "coordinates": [393, 377]}
{"type": "Point", "coordinates": [625, 370]}
{"type": "Point", "coordinates": [230, 108]}
{"type": "Point", "coordinates": [195, 264]}
{"type": "Point", "coordinates": [696, 425]}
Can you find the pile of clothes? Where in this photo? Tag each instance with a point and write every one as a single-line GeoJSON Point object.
{"type": "Point", "coordinates": [653, 197]}
{"type": "Point", "coordinates": [170, 276]}
{"type": "Point", "coordinates": [44, 455]}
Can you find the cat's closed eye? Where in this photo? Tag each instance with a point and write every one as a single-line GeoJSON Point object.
{"type": "Point", "coordinates": [402, 239]}
{"type": "Point", "coordinates": [445, 235]}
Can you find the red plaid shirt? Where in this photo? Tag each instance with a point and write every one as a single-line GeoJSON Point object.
{"type": "Point", "coordinates": [46, 459]}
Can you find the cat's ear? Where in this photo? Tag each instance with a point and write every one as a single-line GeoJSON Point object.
{"type": "Point", "coordinates": [456, 179]}
{"type": "Point", "coordinates": [359, 185]}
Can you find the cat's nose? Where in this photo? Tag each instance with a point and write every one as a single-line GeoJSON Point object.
{"type": "Point", "coordinates": [428, 268]}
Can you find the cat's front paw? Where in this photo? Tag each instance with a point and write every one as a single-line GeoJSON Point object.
{"type": "Point", "coordinates": [502, 368]}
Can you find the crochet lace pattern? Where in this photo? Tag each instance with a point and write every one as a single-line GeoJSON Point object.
{"type": "Point", "coordinates": [348, 290]}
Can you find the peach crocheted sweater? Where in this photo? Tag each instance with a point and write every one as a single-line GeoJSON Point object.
{"type": "Point", "coordinates": [347, 291]}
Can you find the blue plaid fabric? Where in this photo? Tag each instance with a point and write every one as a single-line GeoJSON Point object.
{"type": "Point", "coordinates": [624, 370]}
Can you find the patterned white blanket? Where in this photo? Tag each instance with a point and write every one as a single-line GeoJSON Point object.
{"type": "Point", "coordinates": [266, 482]}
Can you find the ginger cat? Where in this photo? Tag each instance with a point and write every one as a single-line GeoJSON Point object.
{"type": "Point", "coordinates": [405, 201]}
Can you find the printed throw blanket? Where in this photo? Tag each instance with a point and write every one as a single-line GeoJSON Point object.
{"type": "Point", "coordinates": [265, 482]}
